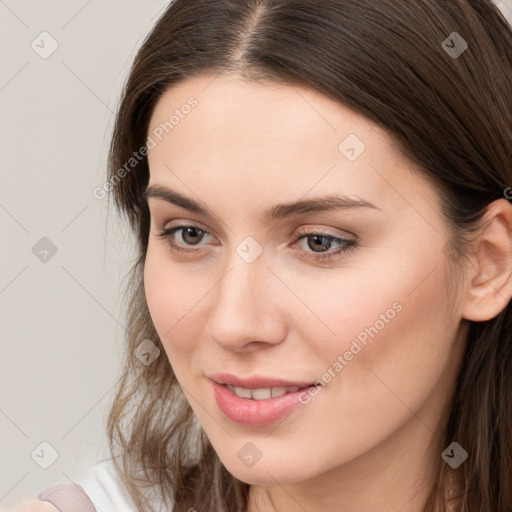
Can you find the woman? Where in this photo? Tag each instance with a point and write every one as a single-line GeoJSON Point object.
{"type": "Point", "coordinates": [320, 314]}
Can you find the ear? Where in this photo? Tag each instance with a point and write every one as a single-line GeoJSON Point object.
{"type": "Point", "coordinates": [490, 270]}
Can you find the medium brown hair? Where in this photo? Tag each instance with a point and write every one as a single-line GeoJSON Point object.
{"type": "Point", "coordinates": [450, 116]}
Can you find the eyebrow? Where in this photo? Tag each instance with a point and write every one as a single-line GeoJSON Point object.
{"type": "Point", "coordinates": [277, 212]}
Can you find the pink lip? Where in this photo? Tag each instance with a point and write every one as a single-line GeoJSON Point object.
{"type": "Point", "coordinates": [247, 411]}
{"type": "Point", "coordinates": [256, 381]}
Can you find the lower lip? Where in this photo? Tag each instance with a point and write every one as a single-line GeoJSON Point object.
{"type": "Point", "coordinates": [247, 411]}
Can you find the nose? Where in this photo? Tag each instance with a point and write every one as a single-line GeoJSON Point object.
{"type": "Point", "coordinates": [246, 312]}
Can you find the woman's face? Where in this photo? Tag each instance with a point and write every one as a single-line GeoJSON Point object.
{"type": "Point", "coordinates": [352, 293]}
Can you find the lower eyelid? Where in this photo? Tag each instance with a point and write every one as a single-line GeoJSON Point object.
{"type": "Point", "coordinates": [344, 244]}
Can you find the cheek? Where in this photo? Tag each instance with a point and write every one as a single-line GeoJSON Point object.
{"type": "Point", "coordinates": [394, 324]}
{"type": "Point", "coordinates": [407, 347]}
{"type": "Point", "coordinates": [172, 297]}
{"type": "Point", "coordinates": [380, 382]}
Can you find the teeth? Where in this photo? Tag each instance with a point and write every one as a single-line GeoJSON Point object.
{"type": "Point", "coordinates": [278, 392]}
{"type": "Point", "coordinates": [242, 393]}
{"type": "Point", "coordinates": [261, 393]}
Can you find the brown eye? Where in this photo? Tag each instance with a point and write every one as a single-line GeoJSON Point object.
{"type": "Point", "coordinates": [320, 243]}
{"type": "Point", "coordinates": [190, 235]}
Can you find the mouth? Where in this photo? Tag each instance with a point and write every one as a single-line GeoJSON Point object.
{"type": "Point", "coordinates": [261, 405]}
{"type": "Point", "coordinates": [256, 383]}
{"type": "Point", "coordinates": [263, 393]}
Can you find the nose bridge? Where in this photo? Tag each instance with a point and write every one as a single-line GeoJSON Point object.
{"type": "Point", "coordinates": [242, 310]}
{"type": "Point", "coordinates": [236, 298]}
{"type": "Point", "coordinates": [247, 263]}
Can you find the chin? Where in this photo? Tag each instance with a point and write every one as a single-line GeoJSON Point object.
{"type": "Point", "coordinates": [269, 471]}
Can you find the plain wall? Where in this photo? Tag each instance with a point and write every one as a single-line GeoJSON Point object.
{"type": "Point", "coordinates": [61, 318]}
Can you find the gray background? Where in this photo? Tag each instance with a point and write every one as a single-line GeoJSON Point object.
{"type": "Point", "coordinates": [61, 320]}
{"type": "Point", "coordinates": [61, 317]}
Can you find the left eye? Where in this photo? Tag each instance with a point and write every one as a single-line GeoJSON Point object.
{"type": "Point", "coordinates": [192, 235]}
{"type": "Point", "coordinates": [345, 245]}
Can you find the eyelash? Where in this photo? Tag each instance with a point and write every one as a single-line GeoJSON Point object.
{"type": "Point", "coordinates": [346, 245]}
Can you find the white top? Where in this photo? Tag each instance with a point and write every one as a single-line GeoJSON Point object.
{"type": "Point", "coordinates": [104, 488]}
{"type": "Point", "coordinates": [96, 473]}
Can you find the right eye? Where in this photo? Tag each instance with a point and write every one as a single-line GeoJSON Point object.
{"type": "Point", "coordinates": [187, 232]}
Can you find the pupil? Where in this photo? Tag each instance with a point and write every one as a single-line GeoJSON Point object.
{"type": "Point", "coordinates": [318, 242]}
{"type": "Point", "coordinates": [194, 232]}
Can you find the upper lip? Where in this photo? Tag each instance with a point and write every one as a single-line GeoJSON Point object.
{"type": "Point", "coordinates": [256, 381]}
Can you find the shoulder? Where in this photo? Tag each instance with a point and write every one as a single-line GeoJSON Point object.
{"type": "Point", "coordinates": [32, 505]}
{"type": "Point", "coordinates": [98, 489]}
{"type": "Point", "coordinates": [67, 497]}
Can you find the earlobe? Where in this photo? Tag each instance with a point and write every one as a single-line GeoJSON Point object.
{"type": "Point", "coordinates": [490, 273]}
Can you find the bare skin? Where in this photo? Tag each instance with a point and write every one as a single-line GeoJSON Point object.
{"type": "Point", "coordinates": [32, 505]}
{"type": "Point", "coordinates": [363, 443]}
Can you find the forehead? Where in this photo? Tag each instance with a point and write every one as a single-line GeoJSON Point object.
{"type": "Point", "coordinates": [213, 132]}
{"type": "Point", "coordinates": [262, 112]}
